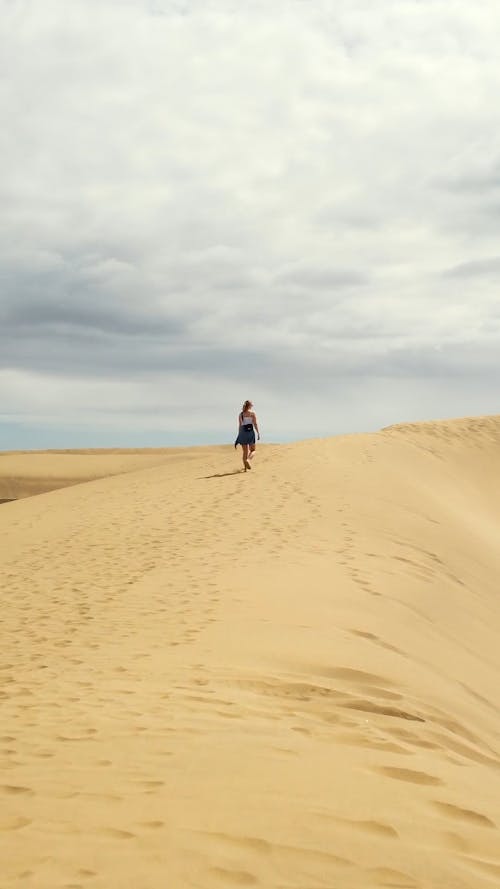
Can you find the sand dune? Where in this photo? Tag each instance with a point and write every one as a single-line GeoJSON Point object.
{"type": "Point", "coordinates": [25, 473]}
{"type": "Point", "coordinates": [284, 678]}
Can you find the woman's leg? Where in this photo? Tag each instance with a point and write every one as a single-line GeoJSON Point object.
{"type": "Point", "coordinates": [252, 452]}
{"type": "Point", "coordinates": [245, 456]}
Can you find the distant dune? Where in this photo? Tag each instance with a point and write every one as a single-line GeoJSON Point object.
{"type": "Point", "coordinates": [24, 473]}
{"type": "Point", "coordinates": [284, 678]}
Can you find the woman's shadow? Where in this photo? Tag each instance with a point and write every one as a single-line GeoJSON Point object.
{"type": "Point", "coordinates": [223, 474]}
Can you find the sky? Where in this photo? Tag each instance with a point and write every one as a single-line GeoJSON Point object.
{"type": "Point", "coordinates": [204, 201]}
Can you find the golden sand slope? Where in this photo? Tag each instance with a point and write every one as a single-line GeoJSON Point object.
{"type": "Point", "coordinates": [284, 678]}
{"type": "Point", "coordinates": [24, 473]}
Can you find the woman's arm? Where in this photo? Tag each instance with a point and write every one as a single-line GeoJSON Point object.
{"type": "Point", "coordinates": [256, 424]}
{"type": "Point", "coordinates": [240, 419]}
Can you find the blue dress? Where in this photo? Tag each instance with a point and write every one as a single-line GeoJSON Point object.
{"type": "Point", "coordinates": [246, 434]}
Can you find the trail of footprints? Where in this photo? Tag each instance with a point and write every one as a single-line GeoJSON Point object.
{"type": "Point", "coordinates": [337, 712]}
{"type": "Point", "coordinates": [89, 574]}
{"type": "Point", "coordinates": [361, 709]}
{"type": "Point", "coordinates": [406, 559]}
{"type": "Point", "coordinates": [75, 599]}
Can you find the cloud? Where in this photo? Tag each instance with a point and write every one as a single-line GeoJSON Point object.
{"type": "Point", "coordinates": [206, 198]}
{"type": "Point", "coordinates": [489, 268]}
{"type": "Point", "coordinates": [316, 278]}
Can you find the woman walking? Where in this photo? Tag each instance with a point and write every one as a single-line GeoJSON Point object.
{"type": "Point", "coordinates": [248, 426]}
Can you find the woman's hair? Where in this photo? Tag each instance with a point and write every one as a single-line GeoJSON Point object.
{"type": "Point", "coordinates": [246, 406]}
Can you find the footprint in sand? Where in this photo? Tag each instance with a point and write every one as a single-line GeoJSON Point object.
{"type": "Point", "coordinates": [15, 823]}
{"type": "Point", "coordinates": [370, 707]}
{"type": "Point", "coordinates": [393, 879]}
{"type": "Point", "coordinates": [374, 827]}
{"type": "Point", "coordinates": [118, 834]}
{"type": "Point", "coordinates": [15, 789]}
{"type": "Point", "coordinates": [233, 877]}
{"type": "Point", "coordinates": [487, 867]}
{"type": "Point", "coordinates": [460, 814]}
{"type": "Point", "coordinates": [409, 775]}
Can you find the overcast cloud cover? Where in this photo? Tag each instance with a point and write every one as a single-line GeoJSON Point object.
{"type": "Point", "coordinates": [294, 201]}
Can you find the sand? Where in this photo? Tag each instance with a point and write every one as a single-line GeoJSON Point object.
{"type": "Point", "coordinates": [284, 678]}
{"type": "Point", "coordinates": [25, 473]}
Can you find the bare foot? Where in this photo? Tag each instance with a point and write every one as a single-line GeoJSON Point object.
{"type": "Point", "coordinates": [247, 465]}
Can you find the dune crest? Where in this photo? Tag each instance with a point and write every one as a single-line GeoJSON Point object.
{"type": "Point", "coordinates": [284, 678]}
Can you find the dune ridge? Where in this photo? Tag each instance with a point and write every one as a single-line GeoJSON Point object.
{"type": "Point", "coordinates": [284, 678]}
